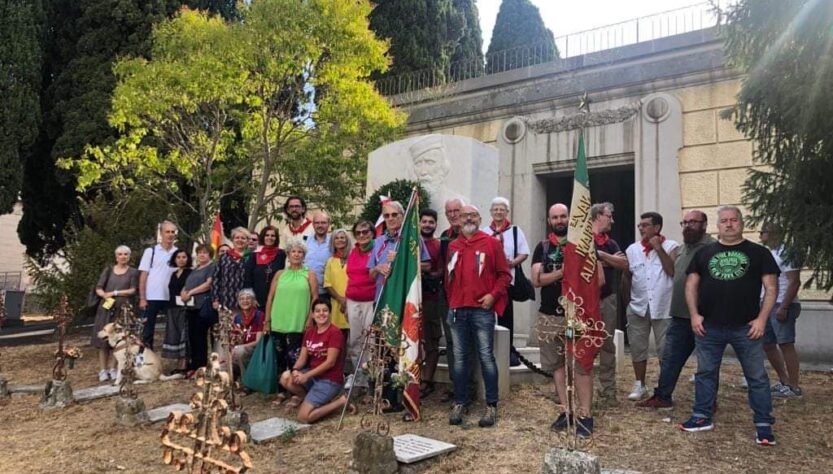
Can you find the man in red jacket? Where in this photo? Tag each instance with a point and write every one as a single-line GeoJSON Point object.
{"type": "Point", "coordinates": [476, 282]}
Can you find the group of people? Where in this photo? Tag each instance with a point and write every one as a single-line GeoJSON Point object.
{"type": "Point", "coordinates": [314, 290]}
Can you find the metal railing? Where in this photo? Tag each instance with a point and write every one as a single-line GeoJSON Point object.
{"type": "Point", "coordinates": [647, 28]}
{"type": "Point", "coordinates": [10, 280]}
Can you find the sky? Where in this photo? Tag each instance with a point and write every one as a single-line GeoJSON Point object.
{"type": "Point", "coordinates": [569, 16]}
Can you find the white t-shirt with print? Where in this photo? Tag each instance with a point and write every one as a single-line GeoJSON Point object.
{"type": "Point", "coordinates": [159, 274]}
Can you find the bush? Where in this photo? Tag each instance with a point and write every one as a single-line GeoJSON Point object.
{"type": "Point", "coordinates": [399, 190]}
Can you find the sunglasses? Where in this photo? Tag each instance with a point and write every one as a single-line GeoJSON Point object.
{"type": "Point", "coordinates": [364, 232]}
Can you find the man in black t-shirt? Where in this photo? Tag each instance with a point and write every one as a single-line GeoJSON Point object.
{"type": "Point", "coordinates": [723, 291]}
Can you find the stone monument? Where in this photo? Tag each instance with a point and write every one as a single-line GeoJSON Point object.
{"type": "Point", "coordinates": [447, 166]}
{"type": "Point", "coordinates": [130, 409]}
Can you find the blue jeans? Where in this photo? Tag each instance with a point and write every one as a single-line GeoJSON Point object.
{"type": "Point", "coordinates": [750, 353]}
{"type": "Point", "coordinates": [149, 317]}
{"type": "Point", "coordinates": [473, 326]}
{"type": "Point", "coordinates": [679, 344]}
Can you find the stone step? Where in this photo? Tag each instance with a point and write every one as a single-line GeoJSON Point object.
{"type": "Point", "coordinates": [517, 375]}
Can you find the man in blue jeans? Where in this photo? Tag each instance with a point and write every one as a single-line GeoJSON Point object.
{"type": "Point", "coordinates": [723, 290]}
{"type": "Point", "coordinates": [679, 339]}
{"type": "Point", "coordinates": [476, 282]}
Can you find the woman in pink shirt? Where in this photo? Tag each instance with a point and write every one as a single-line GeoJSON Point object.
{"type": "Point", "coordinates": [361, 289]}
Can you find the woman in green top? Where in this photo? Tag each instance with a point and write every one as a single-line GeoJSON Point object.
{"type": "Point", "coordinates": [288, 307]}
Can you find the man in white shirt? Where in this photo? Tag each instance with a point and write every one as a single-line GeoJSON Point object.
{"type": "Point", "coordinates": [651, 265]}
{"type": "Point", "coordinates": [154, 276]}
{"type": "Point", "coordinates": [779, 336]}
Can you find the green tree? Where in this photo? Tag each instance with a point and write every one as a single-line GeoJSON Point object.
{"type": "Point", "coordinates": [785, 105]}
{"type": "Point", "coordinates": [21, 37]}
{"type": "Point", "coordinates": [467, 60]}
{"type": "Point", "coordinates": [423, 34]}
{"type": "Point", "coordinates": [291, 78]}
{"type": "Point", "coordinates": [519, 38]}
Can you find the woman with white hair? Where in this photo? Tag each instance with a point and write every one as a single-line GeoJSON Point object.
{"type": "Point", "coordinates": [116, 286]}
{"type": "Point", "coordinates": [248, 325]}
{"type": "Point", "coordinates": [230, 273]}
{"type": "Point", "coordinates": [288, 307]}
{"type": "Point", "coordinates": [516, 250]}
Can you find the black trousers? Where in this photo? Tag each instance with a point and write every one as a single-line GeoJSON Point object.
{"type": "Point", "coordinates": [287, 350]}
{"type": "Point", "coordinates": [198, 330]}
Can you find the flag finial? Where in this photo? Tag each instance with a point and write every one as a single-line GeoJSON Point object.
{"type": "Point", "coordinates": [584, 105]}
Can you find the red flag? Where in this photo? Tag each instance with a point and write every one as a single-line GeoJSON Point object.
{"type": "Point", "coordinates": [380, 222]}
{"type": "Point", "coordinates": [581, 281]}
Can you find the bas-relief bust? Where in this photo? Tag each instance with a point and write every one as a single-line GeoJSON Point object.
{"type": "Point", "coordinates": [446, 166]}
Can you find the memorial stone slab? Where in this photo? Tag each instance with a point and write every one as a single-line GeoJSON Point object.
{"type": "Point", "coordinates": [161, 413]}
{"type": "Point", "coordinates": [410, 448]}
{"type": "Point", "coordinates": [30, 389]}
{"type": "Point", "coordinates": [447, 166]}
{"type": "Point", "coordinates": [272, 428]}
{"type": "Point", "coordinates": [93, 393]}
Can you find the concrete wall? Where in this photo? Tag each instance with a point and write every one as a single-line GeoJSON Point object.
{"type": "Point", "coordinates": [11, 250]}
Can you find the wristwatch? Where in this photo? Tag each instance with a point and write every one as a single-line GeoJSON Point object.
{"type": "Point", "coordinates": [115, 292]}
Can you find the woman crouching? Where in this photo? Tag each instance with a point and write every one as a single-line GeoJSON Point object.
{"type": "Point", "coordinates": [318, 374]}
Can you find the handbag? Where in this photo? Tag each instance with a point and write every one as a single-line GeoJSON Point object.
{"type": "Point", "coordinates": [261, 372]}
{"type": "Point", "coordinates": [521, 289]}
{"type": "Point", "coordinates": [93, 300]}
{"type": "Point", "coordinates": [208, 315]}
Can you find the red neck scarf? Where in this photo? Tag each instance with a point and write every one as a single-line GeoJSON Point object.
{"type": "Point", "coordinates": [235, 255]}
{"type": "Point", "coordinates": [600, 239]}
{"type": "Point", "coordinates": [247, 319]}
{"type": "Point", "coordinates": [557, 241]}
{"type": "Point", "coordinates": [646, 246]}
{"type": "Point", "coordinates": [498, 232]}
{"type": "Point", "coordinates": [267, 254]}
{"type": "Point", "coordinates": [300, 228]}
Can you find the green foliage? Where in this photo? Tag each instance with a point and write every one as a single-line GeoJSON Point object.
{"type": "Point", "coordinates": [90, 248]}
{"type": "Point", "coordinates": [423, 34]}
{"type": "Point", "coordinates": [281, 98]}
{"type": "Point", "coordinates": [21, 35]}
{"type": "Point", "coordinates": [398, 190]}
{"type": "Point", "coordinates": [786, 106]}
{"type": "Point", "coordinates": [519, 38]}
{"type": "Point", "coordinates": [469, 49]}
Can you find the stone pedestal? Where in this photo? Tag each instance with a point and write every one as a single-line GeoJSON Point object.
{"type": "Point", "coordinates": [238, 421]}
{"type": "Point", "coordinates": [131, 412]}
{"type": "Point", "coordinates": [57, 394]}
{"type": "Point", "coordinates": [565, 461]}
{"type": "Point", "coordinates": [373, 454]}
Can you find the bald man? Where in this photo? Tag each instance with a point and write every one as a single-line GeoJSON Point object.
{"type": "Point", "coordinates": [318, 247]}
{"type": "Point", "coordinates": [476, 281]}
{"type": "Point", "coordinates": [679, 338]}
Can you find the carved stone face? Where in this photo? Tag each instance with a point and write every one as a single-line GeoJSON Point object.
{"type": "Point", "coordinates": [430, 168]}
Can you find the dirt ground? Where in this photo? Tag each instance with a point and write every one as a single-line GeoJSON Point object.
{"type": "Point", "coordinates": [84, 438]}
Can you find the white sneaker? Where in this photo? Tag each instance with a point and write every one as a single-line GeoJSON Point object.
{"type": "Point", "coordinates": [349, 383]}
{"type": "Point", "coordinates": [103, 376]}
{"type": "Point", "coordinates": [638, 393]}
{"type": "Point", "coordinates": [114, 374]}
{"type": "Point", "coordinates": [691, 379]}
{"type": "Point", "coordinates": [743, 383]}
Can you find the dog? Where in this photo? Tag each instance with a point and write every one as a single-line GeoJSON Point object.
{"type": "Point", "coordinates": [147, 365]}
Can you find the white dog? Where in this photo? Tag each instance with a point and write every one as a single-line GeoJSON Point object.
{"type": "Point", "coordinates": [148, 365]}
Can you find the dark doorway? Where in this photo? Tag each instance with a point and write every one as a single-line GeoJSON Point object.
{"type": "Point", "coordinates": [613, 185]}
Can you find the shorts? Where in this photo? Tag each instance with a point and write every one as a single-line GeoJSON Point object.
{"type": "Point", "coordinates": [782, 332]}
{"type": "Point", "coordinates": [550, 331]}
{"type": "Point", "coordinates": [321, 391]}
{"type": "Point", "coordinates": [639, 333]}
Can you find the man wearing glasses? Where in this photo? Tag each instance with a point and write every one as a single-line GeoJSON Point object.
{"type": "Point", "coordinates": [651, 264]}
{"type": "Point", "coordinates": [385, 246]}
{"type": "Point", "coordinates": [297, 225]}
{"type": "Point", "coordinates": [679, 338]}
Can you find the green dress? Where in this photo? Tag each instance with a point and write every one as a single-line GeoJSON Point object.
{"type": "Point", "coordinates": [290, 307]}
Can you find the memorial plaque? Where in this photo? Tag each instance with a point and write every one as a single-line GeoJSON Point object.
{"type": "Point", "coordinates": [30, 389]}
{"type": "Point", "coordinates": [410, 448]}
{"type": "Point", "coordinates": [161, 413]}
{"type": "Point", "coordinates": [272, 428]}
{"type": "Point", "coordinates": [92, 393]}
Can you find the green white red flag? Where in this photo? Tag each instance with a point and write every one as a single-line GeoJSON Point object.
{"type": "Point", "coordinates": [399, 308]}
{"type": "Point", "coordinates": [580, 283]}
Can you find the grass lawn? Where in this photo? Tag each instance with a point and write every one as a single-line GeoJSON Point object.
{"type": "Point", "coordinates": [84, 439]}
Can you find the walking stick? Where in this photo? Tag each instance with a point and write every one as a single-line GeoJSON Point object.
{"type": "Point", "coordinates": [355, 371]}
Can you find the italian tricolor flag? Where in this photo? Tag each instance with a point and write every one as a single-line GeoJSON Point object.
{"type": "Point", "coordinates": [399, 309]}
{"type": "Point", "coordinates": [580, 283]}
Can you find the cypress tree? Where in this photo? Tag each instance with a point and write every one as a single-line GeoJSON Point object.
{"type": "Point", "coordinates": [519, 38]}
{"type": "Point", "coordinates": [21, 46]}
{"type": "Point", "coordinates": [467, 60]}
{"type": "Point", "coordinates": [423, 35]}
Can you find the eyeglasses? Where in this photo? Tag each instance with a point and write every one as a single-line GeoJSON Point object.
{"type": "Point", "coordinates": [690, 223]}
{"type": "Point", "coordinates": [469, 214]}
{"type": "Point", "coordinates": [392, 214]}
{"type": "Point", "coordinates": [643, 225]}
{"type": "Point", "coordinates": [363, 232]}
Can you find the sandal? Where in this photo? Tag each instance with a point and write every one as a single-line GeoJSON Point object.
{"type": "Point", "coordinates": [427, 390]}
{"type": "Point", "coordinates": [408, 418]}
{"type": "Point", "coordinates": [294, 402]}
{"type": "Point", "coordinates": [279, 399]}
